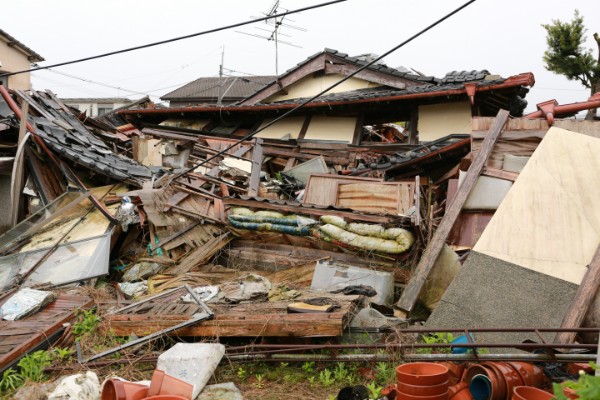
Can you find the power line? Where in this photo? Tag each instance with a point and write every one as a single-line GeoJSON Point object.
{"type": "Point", "coordinates": [174, 39]}
{"type": "Point", "coordinates": [250, 135]}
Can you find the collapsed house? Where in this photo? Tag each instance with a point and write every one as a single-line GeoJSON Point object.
{"type": "Point", "coordinates": [373, 193]}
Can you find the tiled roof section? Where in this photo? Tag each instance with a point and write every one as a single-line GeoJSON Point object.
{"type": "Point", "coordinates": [464, 76]}
{"type": "Point", "coordinates": [71, 139]}
{"type": "Point", "coordinates": [33, 56]}
{"type": "Point", "coordinates": [101, 100]}
{"type": "Point", "coordinates": [236, 87]}
{"type": "Point", "coordinates": [374, 93]}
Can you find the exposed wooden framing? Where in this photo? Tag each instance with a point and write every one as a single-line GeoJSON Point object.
{"type": "Point", "coordinates": [581, 303]}
{"type": "Point", "coordinates": [430, 256]}
{"type": "Point", "coordinates": [257, 159]}
{"type": "Point", "coordinates": [368, 75]}
{"type": "Point", "coordinates": [304, 128]}
{"type": "Point", "coordinates": [360, 121]}
{"type": "Point", "coordinates": [500, 174]}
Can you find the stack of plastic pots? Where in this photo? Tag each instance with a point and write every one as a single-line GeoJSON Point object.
{"type": "Point", "coordinates": [422, 381]}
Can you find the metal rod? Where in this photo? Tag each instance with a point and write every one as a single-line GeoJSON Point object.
{"type": "Point", "coordinates": [414, 357]}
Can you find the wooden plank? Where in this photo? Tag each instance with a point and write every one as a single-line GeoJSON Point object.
{"type": "Point", "coordinates": [321, 189]}
{"type": "Point", "coordinates": [581, 302]}
{"type": "Point", "coordinates": [379, 198]}
{"type": "Point", "coordinates": [500, 174]}
{"type": "Point", "coordinates": [429, 257]}
{"type": "Point", "coordinates": [40, 326]}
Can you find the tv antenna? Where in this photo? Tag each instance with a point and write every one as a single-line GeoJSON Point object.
{"type": "Point", "coordinates": [273, 33]}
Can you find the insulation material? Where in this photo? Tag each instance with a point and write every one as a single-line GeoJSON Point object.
{"type": "Point", "coordinates": [549, 221]}
{"type": "Point", "coordinates": [364, 242]}
{"type": "Point", "coordinates": [334, 220]}
{"type": "Point", "coordinates": [487, 194]}
{"type": "Point", "coordinates": [444, 271]}
{"type": "Point", "coordinates": [77, 387]}
{"type": "Point", "coordinates": [514, 163]}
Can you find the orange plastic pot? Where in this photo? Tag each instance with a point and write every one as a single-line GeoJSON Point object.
{"type": "Point", "coordinates": [166, 397]}
{"type": "Point", "coordinates": [164, 384]}
{"type": "Point", "coordinates": [404, 396]}
{"type": "Point", "coordinates": [389, 391]}
{"type": "Point", "coordinates": [531, 374]}
{"type": "Point", "coordinates": [570, 393]}
{"type": "Point", "coordinates": [115, 389]}
{"type": "Point", "coordinates": [496, 389]}
{"type": "Point", "coordinates": [422, 374]}
{"type": "Point", "coordinates": [460, 391]}
{"type": "Point", "coordinates": [512, 378]}
{"type": "Point", "coordinates": [418, 390]}
{"type": "Point", "coordinates": [530, 393]}
{"type": "Point", "coordinates": [455, 370]}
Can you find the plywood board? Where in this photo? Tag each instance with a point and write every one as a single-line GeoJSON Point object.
{"type": "Point", "coordinates": [549, 221]}
{"type": "Point", "coordinates": [322, 189]}
{"type": "Point", "coordinates": [377, 198]}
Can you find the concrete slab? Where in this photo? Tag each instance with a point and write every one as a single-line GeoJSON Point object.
{"type": "Point", "coordinates": [492, 293]}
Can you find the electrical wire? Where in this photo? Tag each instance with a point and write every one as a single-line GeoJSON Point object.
{"type": "Point", "coordinates": [274, 121]}
{"type": "Point", "coordinates": [145, 46]}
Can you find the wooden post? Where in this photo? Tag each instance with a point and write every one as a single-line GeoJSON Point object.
{"type": "Point", "coordinates": [18, 172]}
{"type": "Point", "coordinates": [257, 157]}
{"type": "Point", "coordinates": [432, 252]}
{"type": "Point", "coordinates": [581, 302]}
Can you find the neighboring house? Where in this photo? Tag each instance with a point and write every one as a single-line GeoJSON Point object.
{"type": "Point", "coordinates": [230, 89]}
{"type": "Point", "coordinates": [96, 107]}
{"type": "Point", "coordinates": [15, 56]}
{"type": "Point", "coordinates": [425, 108]}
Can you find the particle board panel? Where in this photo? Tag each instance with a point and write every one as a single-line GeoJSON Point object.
{"type": "Point", "coordinates": [377, 198]}
{"type": "Point", "coordinates": [321, 189]}
{"type": "Point", "coordinates": [549, 221]}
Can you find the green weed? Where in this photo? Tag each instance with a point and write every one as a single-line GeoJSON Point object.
{"type": "Point", "coordinates": [87, 321]}
{"type": "Point", "coordinates": [11, 380]}
{"type": "Point", "coordinates": [326, 377]}
{"type": "Point", "coordinates": [32, 365]}
{"type": "Point", "coordinates": [374, 390]}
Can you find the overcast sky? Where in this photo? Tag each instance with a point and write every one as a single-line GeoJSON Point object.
{"type": "Point", "coordinates": [502, 36]}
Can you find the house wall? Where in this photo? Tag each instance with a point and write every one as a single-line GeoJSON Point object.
{"type": "Point", "coordinates": [331, 128]}
{"type": "Point", "coordinates": [287, 128]}
{"type": "Point", "coordinates": [439, 120]}
{"type": "Point", "coordinates": [310, 85]}
{"type": "Point", "coordinates": [14, 60]}
{"type": "Point", "coordinates": [91, 108]}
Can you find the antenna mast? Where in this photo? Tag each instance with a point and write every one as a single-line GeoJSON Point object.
{"type": "Point", "coordinates": [274, 32]}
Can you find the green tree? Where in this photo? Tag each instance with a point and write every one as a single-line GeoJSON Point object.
{"type": "Point", "coordinates": [567, 56]}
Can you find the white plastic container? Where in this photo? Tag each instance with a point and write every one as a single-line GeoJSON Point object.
{"type": "Point", "coordinates": [329, 276]}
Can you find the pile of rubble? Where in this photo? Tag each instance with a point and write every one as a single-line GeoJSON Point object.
{"type": "Point", "coordinates": [199, 232]}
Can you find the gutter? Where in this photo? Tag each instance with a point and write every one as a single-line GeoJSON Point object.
{"type": "Point", "coordinates": [549, 109]}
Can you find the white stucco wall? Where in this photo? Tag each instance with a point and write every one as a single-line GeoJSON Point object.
{"type": "Point", "coordinates": [439, 120]}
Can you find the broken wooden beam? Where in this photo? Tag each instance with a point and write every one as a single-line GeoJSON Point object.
{"type": "Point", "coordinates": [581, 302]}
{"type": "Point", "coordinates": [409, 296]}
{"type": "Point", "coordinates": [500, 174]}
